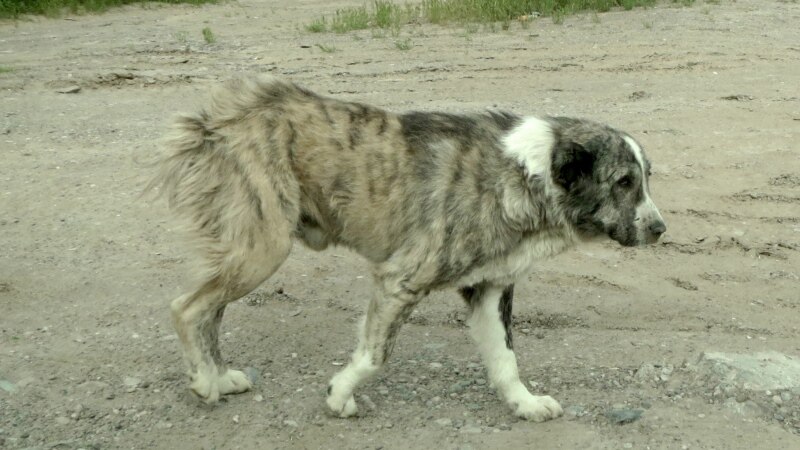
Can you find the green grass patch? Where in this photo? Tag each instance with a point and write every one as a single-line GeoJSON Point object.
{"type": "Point", "coordinates": [387, 15]}
{"type": "Point", "coordinates": [208, 36]}
{"type": "Point", "coordinates": [5, 69]}
{"type": "Point", "coordinates": [12, 9]}
{"type": "Point", "coordinates": [404, 44]}
{"type": "Point", "coordinates": [326, 48]}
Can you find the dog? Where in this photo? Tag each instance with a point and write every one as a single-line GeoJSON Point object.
{"type": "Point", "coordinates": [433, 200]}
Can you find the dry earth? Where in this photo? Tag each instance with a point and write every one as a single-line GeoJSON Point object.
{"type": "Point", "coordinates": [87, 355]}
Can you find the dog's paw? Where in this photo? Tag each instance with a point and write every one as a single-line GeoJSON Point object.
{"type": "Point", "coordinates": [205, 387]}
{"type": "Point", "coordinates": [209, 386]}
{"type": "Point", "coordinates": [537, 408]}
{"type": "Point", "coordinates": [234, 382]}
{"type": "Point", "coordinates": [341, 406]}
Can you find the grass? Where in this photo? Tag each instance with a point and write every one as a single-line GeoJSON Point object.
{"type": "Point", "coordinates": [12, 9]}
{"type": "Point", "coordinates": [326, 48]}
{"type": "Point", "coordinates": [5, 69]}
{"type": "Point", "coordinates": [404, 44]}
{"type": "Point", "coordinates": [386, 15]}
{"type": "Point", "coordinates": [208, 36]}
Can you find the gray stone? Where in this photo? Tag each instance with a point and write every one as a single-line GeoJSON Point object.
{"type": "Point", "coordinates": [61, 420]}
{"type": "Point", "coordinates": [366, 401]}
{"type": "Point", "coordinates": [755, 371]}
{"type": "Point", "coordinates": [572, 412]}
{"type": "Point", "coordinates": [746, 408]}
{"type": "Point", "coordinates": [69, 90]}
{"type": "Point", "coordinates": [7, 386]}
{"type": "Point", "coordinates": [471, 429]}
{"type": "Point", "coordinates": [622, 416]}
{"type": "Point", "coordinates": [444, 422]}
{"type": "Point", "coordinates": [290, 423]}
{"type": "Point", "coordinates": [253, 374]}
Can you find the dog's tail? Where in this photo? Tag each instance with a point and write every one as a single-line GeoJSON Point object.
{"type": "Point", "coordinates": [179, 171]}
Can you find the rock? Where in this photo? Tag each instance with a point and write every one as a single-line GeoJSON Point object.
{"type": "Point", "coordinates": [131, 383]}
{"type": "Point", "coordinates": [471, 429]}
{"type": "Point", "coordinates": [777, 400]}
{"type": "Point", "coordinates": [457, 387]}
{"type": "Point", "coordinates": [444, 422]}
{"type": "Point", "coordinates": [290, 423]}
{"type": "Point", "coordinates": [621, 416]}
{"type": "Point", "coordinates": [435, 366]}
{"type": "Point", "coordinates": [258, 398]}
{"type": "Point", "coordinates": [753, 372]}
{"type": "Point", "coordinates": [572, 412]}
{"type": "Point", "coordinates": [61, 420]}
{"type": "Point", "coordinates": [74, 89]}
{"type": "Point", "coordinates": [366, 401]}
{"type": "Point", "coordinates": [746, 408]}
{"type": "Point", "coordinates": [8, 386]}
{"type": "Point", "coordinates": [786, 396]}
{"type": "Point", "coordinates": [253, 374]}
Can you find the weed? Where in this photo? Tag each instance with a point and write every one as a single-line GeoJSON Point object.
{"type": "Point", "coordinates": [404, 45]}
{"type": "Point", "coordinates": [326, 48]}
{"type": "Point", "coordinates": [318, 26]}
{"type": "Point", "coordinates": [181, 36]}
{"type": "Point", "coordinates": [208, 35]}
{"type": "Point", "coordinates": [388, 16]}
{"type": "Point", "coordinates": [350, 19]}
{"type": "Point", "coordinates": [54, 8]}
{"type": "Point", "coordinates": [5, 69]}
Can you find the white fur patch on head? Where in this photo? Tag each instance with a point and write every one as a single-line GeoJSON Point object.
{"type": "Point", "coordinates": [637, 152]}
{"type": "Point", "coordinates": [531, 143]}
{"type": "Point", "coordinates": [646, 212]}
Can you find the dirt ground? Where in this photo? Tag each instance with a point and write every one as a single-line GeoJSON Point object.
{"type": "Point", "coordinates": [88, 358]}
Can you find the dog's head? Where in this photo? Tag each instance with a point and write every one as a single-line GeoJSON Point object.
{"type": "Point", "coordinates": [604, 175]}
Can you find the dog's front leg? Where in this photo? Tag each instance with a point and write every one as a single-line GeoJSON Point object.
{"type": "Point", "coordinates": [387, 311]}
{"type": "Point", "coordinates": [490, 327]}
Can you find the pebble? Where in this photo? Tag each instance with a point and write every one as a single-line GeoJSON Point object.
{"type": "Point", "coordinates": [69, 90]}
{"type": "Point", "coordinates": [572, 412]}
{"type": "Point", "coordinates": [290, 423]}
{"type": "Point", "coordinates": [471, 429]}
{"type": "Point", "coordinates": [777, 399]}
{"type": "Point", "coordinates": [444, 422]}
{"type": "Point", "coordinates": [627, 445]}
{"type": "Point", "coordinates": [131, 383]}
{"type": "Point", "coordinates": [458, 386]}
{"type": "Point", "coordinates": [252, 373]}
{"type": "Point", "coordinates": [435, 366]}
{"type": "Point", "coordinates": [61, 420]}
{"type": "Point", "coordinates": [7, 386]}
{"type": "Point", "coordinates": [786, 396]}
{"type": "Point", "coordinates": [366, 401]}
{"type": "Point", "coordinates": [622, 416]}
{"type": "Point", "coordinates": [258, 398]}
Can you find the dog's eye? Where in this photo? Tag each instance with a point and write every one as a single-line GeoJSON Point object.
{"type": "Point", "coordinates": [625, 182]}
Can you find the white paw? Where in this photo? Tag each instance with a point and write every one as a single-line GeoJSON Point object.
{"type": "Point", "coordinates": [341, 406]}
{"type": "Point", "coordinates": [209, 386]}
{"type": "Point", "coordinates": [234, 382]}
{"type": "Point", "coordinates": [205, 387]}
{"type": "Point", "coordinates": [536, 408]}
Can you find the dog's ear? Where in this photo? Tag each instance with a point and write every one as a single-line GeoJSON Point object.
{"type": "Point", "coordinates": [571, 162]}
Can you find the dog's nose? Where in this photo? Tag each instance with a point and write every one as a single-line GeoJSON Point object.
{"type": "Point", "coordinates": [657, 228]}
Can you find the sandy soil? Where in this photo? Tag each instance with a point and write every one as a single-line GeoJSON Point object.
{"type": "Point", "coordinates": [87, 355]}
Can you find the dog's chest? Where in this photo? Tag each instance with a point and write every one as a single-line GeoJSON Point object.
{"type": "Point", "coordinates": [522, 259]}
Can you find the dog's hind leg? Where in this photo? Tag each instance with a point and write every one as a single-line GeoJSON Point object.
{"type": "Point", "coordinates": [388, 310]}
{"type": "Point", "coordinates": [490, 326]}
{"type": "Point", "coordinates": [197, 316]}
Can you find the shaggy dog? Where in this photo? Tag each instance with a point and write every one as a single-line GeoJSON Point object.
{"type": "Point", "coordinates": [433, 200]}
